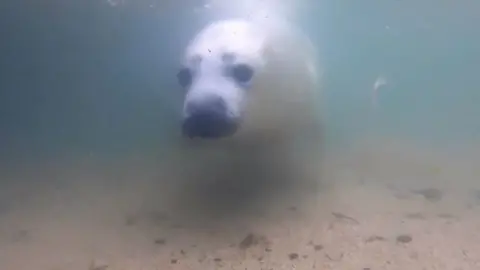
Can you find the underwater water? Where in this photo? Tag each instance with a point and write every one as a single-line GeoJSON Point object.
{"type": "Point", "coordinates": [88, 100]}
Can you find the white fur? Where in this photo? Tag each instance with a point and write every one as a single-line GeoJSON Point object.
{"type": "Point", "coordinates": [285, 87]}
{"type": "Point", "coordinates": [279, 110]}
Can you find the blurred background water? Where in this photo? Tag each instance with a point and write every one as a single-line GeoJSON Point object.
{"type": "Point", "coordinates": [96, 78]}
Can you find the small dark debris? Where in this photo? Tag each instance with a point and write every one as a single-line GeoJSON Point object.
{"type": "Point", "coordinates": [361, 181]}
{"type": "Point", "coordinates": [344, 217]}
{"type": "Point", "coordinates": [446, 216]}
{"type": "Point", "coordinates": [103, 267]}
{"type": "Point", "coordinates": [375, 238]}
{"type": "Point", "coordinates": [160, 241]}
{"type": "Point", "coordinates": [293, 256]}
{"type": "Point", "coordinates": [260, 258]}
{"type": "Point", "coordinates": [173, 261]}
{"type": "Point", "coordinates": [366, 268]}
{"type": "Point", "coordinates": [159, 217]}
{"type": "Point", "coordinates": [413, 255]}
{"type": "Point", "coordinates": [20, 235]}
{"type": "Point", "coordinates": [268, 249]}
{"type": "Point", "coordinates": [248, 241]}
{"type": "Point", "coordinates": [339, 258]}
{"type": "Point", "coordinates": [305, 256]}
{"type": "Point", "coordinates": [292, 208]}
{"type": "Point", "coordinates": [404, 238]}
{"type": "Point", "coordinates": [217, 259]}
{"type": "Point", "coordinates": [183, 252]}
{"type": "Point", "coordinates": [415, 215]}
{"type": "Point", "coordinates": [318, 247]}
{"type": "Point", "coordinates": [430, 194]}
{"type": "Point", "coordinates": [251, 240]}
{"type": "Point", "coordinates": [98, 265]}
{"type": "Point", "coordinates": [130, 220]}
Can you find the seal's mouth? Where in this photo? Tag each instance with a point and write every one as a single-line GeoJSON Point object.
{"type": "Point", "coordinates": [209, 126]}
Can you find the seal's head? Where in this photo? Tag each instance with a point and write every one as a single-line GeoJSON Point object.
{"type": "Point", "coordinates": [247, 79]}
{"type": "Point", "coordinates": [218, 70]}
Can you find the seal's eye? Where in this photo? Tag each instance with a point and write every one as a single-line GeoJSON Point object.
{"type": "Point", "coordinates": [184, 77]}
{"type": "Point", "coordinates": [242, 73]}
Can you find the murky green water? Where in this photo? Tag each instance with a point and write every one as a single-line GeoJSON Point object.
{"type": "Point", "coordinates": [84, 85]}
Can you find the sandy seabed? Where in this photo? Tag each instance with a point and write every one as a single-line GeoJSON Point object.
{"type": "Point", "coordinates": [382, 207]}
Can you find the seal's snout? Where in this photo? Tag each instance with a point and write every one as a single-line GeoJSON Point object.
{"type": "Point", "coordinates": [208, 118]}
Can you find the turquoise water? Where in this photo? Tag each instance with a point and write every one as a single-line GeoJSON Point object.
{"type": "Point", "coordinates": [89, 77]}
{"type": "Point", "coordinates": [428, 56]}
{"type": "Point", "coordinates": [88, 107]}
